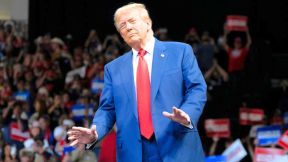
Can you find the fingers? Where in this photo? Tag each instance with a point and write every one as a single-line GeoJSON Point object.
{"type": "Point", "coordinates": [179, 112]}
{"type": "Point", "coordinates": [72, 138]}
{"type": "Point", "coordinates": [81, 129]}
{"type": "Point", "coordinates": [74, 143]}
{"type": "Point", "coordinates": [93, 127]}
{"type": "Point", "coordinates": [167, 114]}
{"type": "Point", "coordinates": [176, 110]}
{"type": "Point", "coordinates": [176, 114]}
{"type": "Point", "coordinates": [73, 133]}
{"type": "Point", "coordinates": [93, 130]}
{"type": "Point", "coordinates": [78, 131]}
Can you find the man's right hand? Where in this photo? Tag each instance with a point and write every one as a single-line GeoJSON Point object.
{"type": "Point", "coordinates": [81, 135]}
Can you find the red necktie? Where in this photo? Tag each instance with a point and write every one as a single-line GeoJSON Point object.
{"type": "Point", "coordinates": [143, 97]}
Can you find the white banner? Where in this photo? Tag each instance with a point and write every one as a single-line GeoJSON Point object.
{"type": "Point", "coordinates": [235, 152]}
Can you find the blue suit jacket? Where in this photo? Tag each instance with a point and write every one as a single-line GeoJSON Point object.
{"type": "Point", "coordinates": [175, 81]}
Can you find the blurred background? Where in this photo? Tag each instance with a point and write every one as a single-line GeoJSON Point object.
{"type": "Point", "coordinates": [52, 54]}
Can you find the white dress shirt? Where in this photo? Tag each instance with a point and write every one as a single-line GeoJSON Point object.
{"type": "Point", "coordinates": [148, 58]}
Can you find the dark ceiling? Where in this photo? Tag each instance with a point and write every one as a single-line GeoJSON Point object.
{"type": "Point", "coordinates": [268, 21]}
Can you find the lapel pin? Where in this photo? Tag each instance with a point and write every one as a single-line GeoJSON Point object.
{"type": "Point", "coordinates": [162, 55]}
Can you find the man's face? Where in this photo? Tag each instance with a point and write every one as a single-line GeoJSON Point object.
{"type": "Point", "coordinates": [132, 27]}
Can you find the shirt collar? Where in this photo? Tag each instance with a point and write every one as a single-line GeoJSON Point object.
{"type": "Point", "coordinates": [149, 47]}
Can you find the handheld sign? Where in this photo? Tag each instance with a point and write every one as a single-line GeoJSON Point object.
{"type": "Point", "coordinates": [269, 155]}
{"type": "Point", "coordinates": [268, 135]}
{"type": "Point", "coordinates": [235, 152]}
{"type": "Point", "coordinates": [236, 23]}
{"type": "Point", "coordinates": [218, 127]}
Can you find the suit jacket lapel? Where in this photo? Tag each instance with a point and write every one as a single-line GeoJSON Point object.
{"type": "Point", "coordinates": [159, 59]}
{"type": "Point", "coordinates": [128, 80]}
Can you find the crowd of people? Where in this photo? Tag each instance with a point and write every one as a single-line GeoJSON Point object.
{"type": "Point", "coordinates": [45, 93]}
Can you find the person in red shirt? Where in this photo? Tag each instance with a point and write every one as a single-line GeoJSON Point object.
{"type": "Point", "coordinates": [238, 53]}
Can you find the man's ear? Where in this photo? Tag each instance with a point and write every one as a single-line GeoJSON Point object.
{"type": "Point", "coordinates": [148, 24]}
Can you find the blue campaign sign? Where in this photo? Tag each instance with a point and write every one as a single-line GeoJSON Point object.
{"type": "Point", "coordinates": [217, 158]}
{"type": "Point", "coordinates": [22, 95]}
{"type": "Point", "coordinates": [97, 85]}
{"type": "Point", "coordinates": [68, 149]}
{"type": "Point", "coordinates": [268, 135]}
{"type": "Point", "coordinates": [80, 110]}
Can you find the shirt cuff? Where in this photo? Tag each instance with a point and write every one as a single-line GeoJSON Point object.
{"type": "Point", "coordinates": [189, 125]}
{"type": "Point", "coordinates": [89, 145]}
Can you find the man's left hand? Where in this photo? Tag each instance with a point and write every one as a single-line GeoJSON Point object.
{"type": "Point", "coordinates": [178, 115]}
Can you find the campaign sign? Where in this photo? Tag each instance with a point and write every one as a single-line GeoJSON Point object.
{"type": "Point", "coordinates": [236, 23]}
{"type": "Point", "coordinates": [283, 141]}
{"type": "Point", "coordinates": [218, 127]}
{"type": "Point", "coordinates": [253, 130]}
{"type": "Point", "coordinates": [68, 149]}
{"type": "Point", "coordinates": [251, 116]}
{"type": "Point", "coordinates": [97, 85]}
{"type": "Point", "coordinates": [80, 111]}
{"type": "Point", "coordinates": [269, 155]}
{"type": "Point", "coordinates": [17, 134]}
{"type": "Point", "coordinates": [268, 135]}
{"type": "Point", "coordinates": [217, 158]}
{"type": "Point", "coordinates": [22, 96]}
{"type": "Point", "coordinates": [235, 152]}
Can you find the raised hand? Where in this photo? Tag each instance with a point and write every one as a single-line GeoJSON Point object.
{"type": "Point", "coordinates": [80, 135]}
{"type": "Point", "coordinates": [178, 115]}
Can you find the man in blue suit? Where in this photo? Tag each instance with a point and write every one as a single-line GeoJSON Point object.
{"type": "Point", "coordinates": [155, 93]}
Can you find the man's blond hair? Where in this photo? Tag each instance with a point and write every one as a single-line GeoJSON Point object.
{"type": "Point", "coordinates": [133, 6]}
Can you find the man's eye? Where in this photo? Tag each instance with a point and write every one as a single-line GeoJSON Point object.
{"type": "Point", "coordinates": [122, 26]}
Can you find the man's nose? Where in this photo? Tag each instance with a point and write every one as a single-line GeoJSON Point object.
{"type": "Point", "coordinates": [128, 26]}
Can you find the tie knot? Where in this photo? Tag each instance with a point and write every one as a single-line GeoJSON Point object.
{"type": "Point", "coordinates": [141, 52]}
